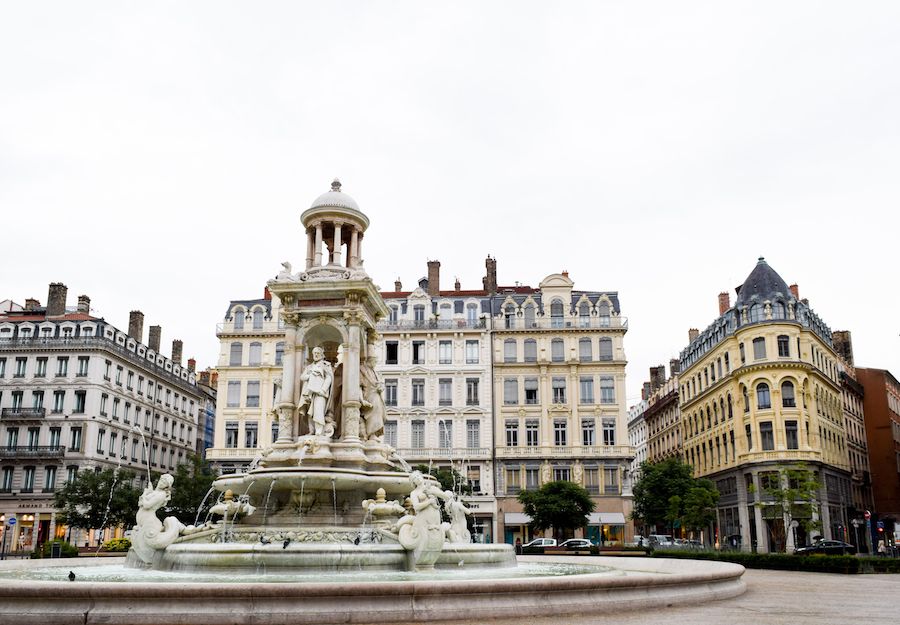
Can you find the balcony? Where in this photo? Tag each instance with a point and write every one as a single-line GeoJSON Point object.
{"type": "Point", "coordinates": [35, 451]}
{"type": "Point", "coordinates": [596, 451]}
{"type": "Point", "coordinates": [432, 324]}
{"type": "Point", "coordinates": [231, 453]}
{"type": "Point", "coordinates": [570, 323]}
{"type": "Point", "coordinates": [415, 454]}
{"type": "Point", "coordinates": [23, 413]}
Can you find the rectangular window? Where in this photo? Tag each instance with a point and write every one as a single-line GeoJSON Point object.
{"type": "Point", "coordinates": [6, 486]}
{"type": "Point", "coordinates": [609, 431]}
{"type": "Point", "coordinates": [607, 390]}
{"type": "Point", "coordinates": [390, 392]}
{"type": "Point", "coordinates": [445, 434]}
{"type": "Point", "coordinates": [391, 349]}
{"type": "Point", "coordinates": [472, 352]}
{"type": "Point", "coordinates": [253, 394]}
{"type": "Point", "coordinates": [445, 392]}
{"type": "Point", "coordinates": [530, 350]}
{"type": "Point", "coordinates": [115, 408]}
{"type": "Point", "coordinates": [119, 371]}
{"type": "Point", "coordinates": [28, 480]}
{"type": "Point", "coordinates": [557, 350]}
{"type": "Point", "coordinates": [113, 440]}
{"type": "Point", "coordinates": [790, 435]}
{"type": "Point", "coordinates": [592, 480]}
{"type": "Point", "coordinates": [17, 399]}
{"type": "Point", "coordinates": [418, 352]}
{"type": "Point", "coordinates": [12, 438]}
{"type": "Point", "coordinates": [532, 478]}
{"type": "Point", "coordinates": [107, 371]}
{"type": "Point", "coordinates": [101, 439]}
{"type": "Point", "coordinates": [80, 397]}
{"type": "Point", "coordinates": [55, 435]}
{"type": "Point", "coordinates": [559, 390]}
{"type": "Point", "coordinates": [234, 394]}
{"type": "Point", "coordinates": [103, 399]}
{"type": "Point", "coordinates": [236, 355]}
{"type": "Point", "coordinates": [559, 433]}
{"type": "Point", "coordinates": [512, 433]}
{"type": "Point", "coordinates": [509, 350]}
{"type": "Point", "coordinates": [759, 348]}
{"type": "Point", "coordinates": [140, 388]}
{"type": "Point", "coordinates": [390, 433]}
{"type": "Point", "coordinates": [513, 477]}
{"type": "Point", "coordinates": [610, 480]}
{"type": "Point", "coordinates": [417, 432]}
{"type": "Point", "coordinates": [231, 434]}
{"type": "Point", "coordinates": [510, 391]}
{"type": "Point", "coordinates": [251, 434]}
{"type": "Point", "coordinates": [727, 364]}
{"type": "Point", "coordinates": [584, 350]}
{"type": "Point", "coordinates": [587, 433]}
{"type": "Point", "coordinates": [34, 436]}
{"type": "Point", "coordinates": [532, 433]}
{"type": "Point", "coordinates": [21, 364]}
{"type": "Point", "coordinates": [743, 356]}
{"type": "Point", "coordinates": [418, 392]}
{"type": "Point", "coordinates": [83, 365]}
{"type": "Point", "coordinates": [2, 367]}
{"type": "Point", "coordinates": [445, 352]}
{"type": "Point", "coordinates": [471, 391]}
{"type": "Point", "coordinates": [766, 435]}
{"type": "Point", "coordinates": [37, 399]}
{"type": "Point", "coordinates": [586, 390]}
{"type": "Point", "coordinates": [75, 439]}
{"type": "Point", "coordinates": [130, 381]}
{"type": "Point", "coordinates": [273, 431]}
{"type": "Point", "coordinates": [784, 346]}
{"type": "Point", "coordinates": [561, 474]}
{"type": "Point", "coordinates": [531, 391]}
{"type": "Point", "coordinates": [40, 369]}
{"type": "Point", "coordinates": [473, 434]}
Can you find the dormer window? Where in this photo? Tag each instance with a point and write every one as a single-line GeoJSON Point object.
{"type": "Point", "coordinates": [258, 315]}
{"type": "Point", "coordinates": [556, 314]}
{"type": "Point", "coordinates": [238, 316]}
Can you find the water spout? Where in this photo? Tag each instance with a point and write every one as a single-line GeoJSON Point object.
{"type": "Point", "coordinates": [334, 500]}
{"type": "Point", "coordinates": [268, 494]}
{"type": "Point", "coordinates": [202, 503]}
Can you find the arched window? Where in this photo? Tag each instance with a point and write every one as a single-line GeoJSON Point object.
{"type": "Point", "coordinates": [763, 398]}
{"type": "Point", "coordinates": [556, 314]}
{"type": "Point", "coordinates": [746, 399]}
{"type": "Point", "coordinates": [238, 316]}
{"type": "Point", "coordinates": [255, 354]}
{"type": "Point", "coordinates": [530, 350]}
{"type": "Point", "coordinates": [603, 314]}
{"type": "Point", "coordinates": [557, 350]}
{"type": "Point", "coordinates": [778, 311]}
{"type": "Point", "coordinates": [584, 314]}
{"type": "Point", "coordinates": [787, 395]}
{"type": "Point", "coordinates": [509, 350]}
{"type": "Point", "coordinates": [529, 316]}
{"type": "Point", "coordinates": [471, 313]}
{"type": "Point", "coordinates": [606, 349]}
{"type": "Point", "coordinates": [237, 351]}
{"type": "Point", "coordinates": [392, 314]}
{"type": "Point", "coordinates": [584, 350]}
{"type": "Point", "coordinates": [445, 312]}
{"type": "Point", "coordinates": [509, 314]}
{"type": "Point", "coordinates": [730, 411]}
{"type": "Point", "coordinates": [258, 315]}
{"type": "Point", "coordinates": [754, 313]}
{"type": "Point", "coordinates": [784, 346]}
{"type": "Point", "coordinates": [279, 352]}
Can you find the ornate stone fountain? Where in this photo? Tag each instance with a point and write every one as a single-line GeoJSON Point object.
{"type": "Point", "coordinates": [329, 493]}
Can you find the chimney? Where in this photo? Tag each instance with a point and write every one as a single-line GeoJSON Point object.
{"type": "Point", "coordinates": [32, 304]}
{"type": "Point", "coordinates": [177, 347]}
{"type": "Point", "coordinates": [136, 325]}
{"type": "Point", "coordinates": [724, 302]}
{"type": "Point", "coordinates": [565, 273]}
{"type": "Point", "coordinates": [843, 345]}
{"type": "Point", "coordinates": [456, 285]}
{"type": "Point", "coordinates": [674, 367]}
{"type": "Point", "coordinates": [266, 294]}
{"type": "Point", "coordinates": [192, 365]}
{"type": "Point", "coordinates": [84, 304]}
{"type": "Point", "coordinates": [693, 333]}
{"type": "Point", "coordinates": [490, 279]}
{"type": "Point", "coordinates": [795, 291]}
{"type": "Point", "coordinates": [398, 286]}
{"type": "Point", "coordinates": [434, 278]}
{"type": "Point", "coordinates": [657, 377]}
{"type": "Point", "coordinates": [645, 391]}
{"type": "Point", "coordinates": [56, 299]}
{"type": "Point", "coordinates": [154, 338]}
{"type": "Point", "coordinates": [204, 378]}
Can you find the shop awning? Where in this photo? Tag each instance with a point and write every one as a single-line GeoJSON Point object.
{"type": "Point", "coordinates": [516, 518]}
{"type": "Point", "coordinates": [606, 518]}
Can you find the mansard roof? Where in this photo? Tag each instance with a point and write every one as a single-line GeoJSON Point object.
{"type": "Point", "coordinates": [762, 284]}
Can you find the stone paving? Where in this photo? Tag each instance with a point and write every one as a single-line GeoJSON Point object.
{"type": "Point", "coordinates": [772, 598]}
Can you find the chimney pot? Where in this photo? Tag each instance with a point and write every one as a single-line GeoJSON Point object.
{"type": "Point", "coordinates": [456, 285]}
{"type": "Point", "coordinates": [693, 333]}
{"type": "Point", "coordinates": [490, 279]}
{"type": "Point", "coordinates": [177, 348]}
{"type": "Point", "coordinates": [434, 278]}
{"type": "Point", "coordinates": [398, 286]}
{"type": "Point", "coordinates": [32, 304]}
{"type": "Point", "coordinates": [266, 294]}
{"type": "Point", "coordinates": [724, 302]}
{"type": "Point", "coordinates": [192, 365]}
{"type": "Point", "coordinates": [795, 291]}
{"type": "Point", "coordinates": [154, 338]}
{"type": "Point", "coordinates": [565, 273]}
{"type": "Point", "coordinates": [84, 304]}
{"type": "Point", "coordinates": [136, 325]}
{"type": "Point", "coordinates": [674, 367]}
{"type": "Point", "coordinates": [56, 299]}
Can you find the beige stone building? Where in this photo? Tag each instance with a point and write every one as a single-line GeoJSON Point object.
{"type": "Point", "coordinates": [559, 401]}
{"type": "Point", "coordinates": [760, 392]}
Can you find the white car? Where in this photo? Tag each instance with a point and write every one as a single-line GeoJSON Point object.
{"type": "Point", "coordinates": [541, 542]}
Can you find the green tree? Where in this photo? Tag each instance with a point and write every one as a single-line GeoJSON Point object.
{"type": "Point", "coordinates": [660, 493]}
{"type": "Point", "coordinates": [192, 481]}
{"type": "Point", "coordinates": [696, 510]}
{"type": "Point", "coordinates": [449, 478]}
{"type": "Point", "coordinates": [97, 500]}
{"type": "Point", "coordinates": [789, 495]}
{"type": "Point", "coordinates": [562, 505]}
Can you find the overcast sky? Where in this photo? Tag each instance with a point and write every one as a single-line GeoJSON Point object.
{"type": "Point", "coordinates": [157, 156]}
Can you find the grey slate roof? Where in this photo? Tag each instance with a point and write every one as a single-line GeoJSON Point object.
{"type": "Point", "coordinates": [762, 284]}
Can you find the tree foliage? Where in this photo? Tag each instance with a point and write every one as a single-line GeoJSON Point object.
{"type": "Point", "coordinates": [192, 481]}
{"type": "Point", "coordinates": [83, 502]}
{"type": "Point", "coordinates": [661, 482]}
{"type": "Point", "coordinates": [790, 494]}
{"type": "Point", "coordinates": [449, 478]}
{"type": "Point", "coordinates": [562, 505]}
{"type": "Point", "coordinates": [696, 509]}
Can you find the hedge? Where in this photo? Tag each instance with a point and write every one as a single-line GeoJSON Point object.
{"type": "Point", "coordinates": [787, 562]}
{"type": "Point", "coordinates": [66, 550]}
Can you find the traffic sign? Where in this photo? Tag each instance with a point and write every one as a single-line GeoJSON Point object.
{"type": "Point", "coordinates": [12, 521]}
{"type": "Point", "coordinates": [867, 514]}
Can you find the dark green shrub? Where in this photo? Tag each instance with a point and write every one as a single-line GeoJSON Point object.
{"type": "Point", "coordinates": [66, 550]}
{"type": "Point", "coordinates": [788, 562]}
{"type": "Point", "coordinates": [117, 545]}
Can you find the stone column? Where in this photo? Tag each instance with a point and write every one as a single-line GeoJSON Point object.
{"type": "Point", "coordinates": [353, 260]}
{"type": "Point", "coordinates": [336, 249]}
{"type": "Point", "coordinates": [318, 253]}
{"type": "Point", "coordinates": [359, 241]}
{"type": "Point", "coordinates": [285, 407]}
{"type": "Point", "coordinates": [310, 248]}
{"type": "Point", "coordinates": [351, 399]}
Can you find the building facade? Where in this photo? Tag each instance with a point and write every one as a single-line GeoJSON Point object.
{"type": "Point", "coordinates": [637, 437]}
{"type": "Point", "coordinates": [559, 401]}
{"type": "Point", "coordinates": [76, 394]}
{"type": "Point", "coordinates": [663, 416]}
{"type": "Point", "coordinates": [760, 394]}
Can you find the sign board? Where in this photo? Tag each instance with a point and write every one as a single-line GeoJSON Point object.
{"type": "Point", "coordinates": [12, 521]}
{"type": "Point", "coordinates": [867, 514]}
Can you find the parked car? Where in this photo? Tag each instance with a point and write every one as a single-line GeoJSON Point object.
{"type": "Point", "coordinates": [576, 544]}
{"type": "Point", "coordinates": [826, 547]}
{"type": "Point", "coordinates": [541, 542]}
{"type": "Point", "coordinates": [660, 541]}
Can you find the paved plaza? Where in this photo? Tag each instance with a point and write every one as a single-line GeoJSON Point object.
{"type": "Point", "coordinates": [772, 598]}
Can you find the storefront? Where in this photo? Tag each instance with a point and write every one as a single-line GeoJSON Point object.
{"type": "Point", "coordinates": [515, 526]}
{"type": "Point", "coordinates": [483, 519]}
{"type": "Point", "coordinates": [606, 528]}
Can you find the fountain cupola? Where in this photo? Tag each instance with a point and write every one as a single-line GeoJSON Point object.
{"type": "Point", "coordinates": [334, 228]}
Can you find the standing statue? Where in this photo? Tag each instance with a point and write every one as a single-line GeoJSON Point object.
{"type": "Point", "coordinates": [458, 530]}
{"type": "Point", "coordinates": [372, 408]}
{"type": "Point", "coordinates": [317, 379]}
{"type": "Point", "coordinates": [150, 534]}
{"type": "Point", "coordinates": [421, 533]}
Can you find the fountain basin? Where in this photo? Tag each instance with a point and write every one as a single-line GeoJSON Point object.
{"type": "Point", "coordinates": [641, 583]}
